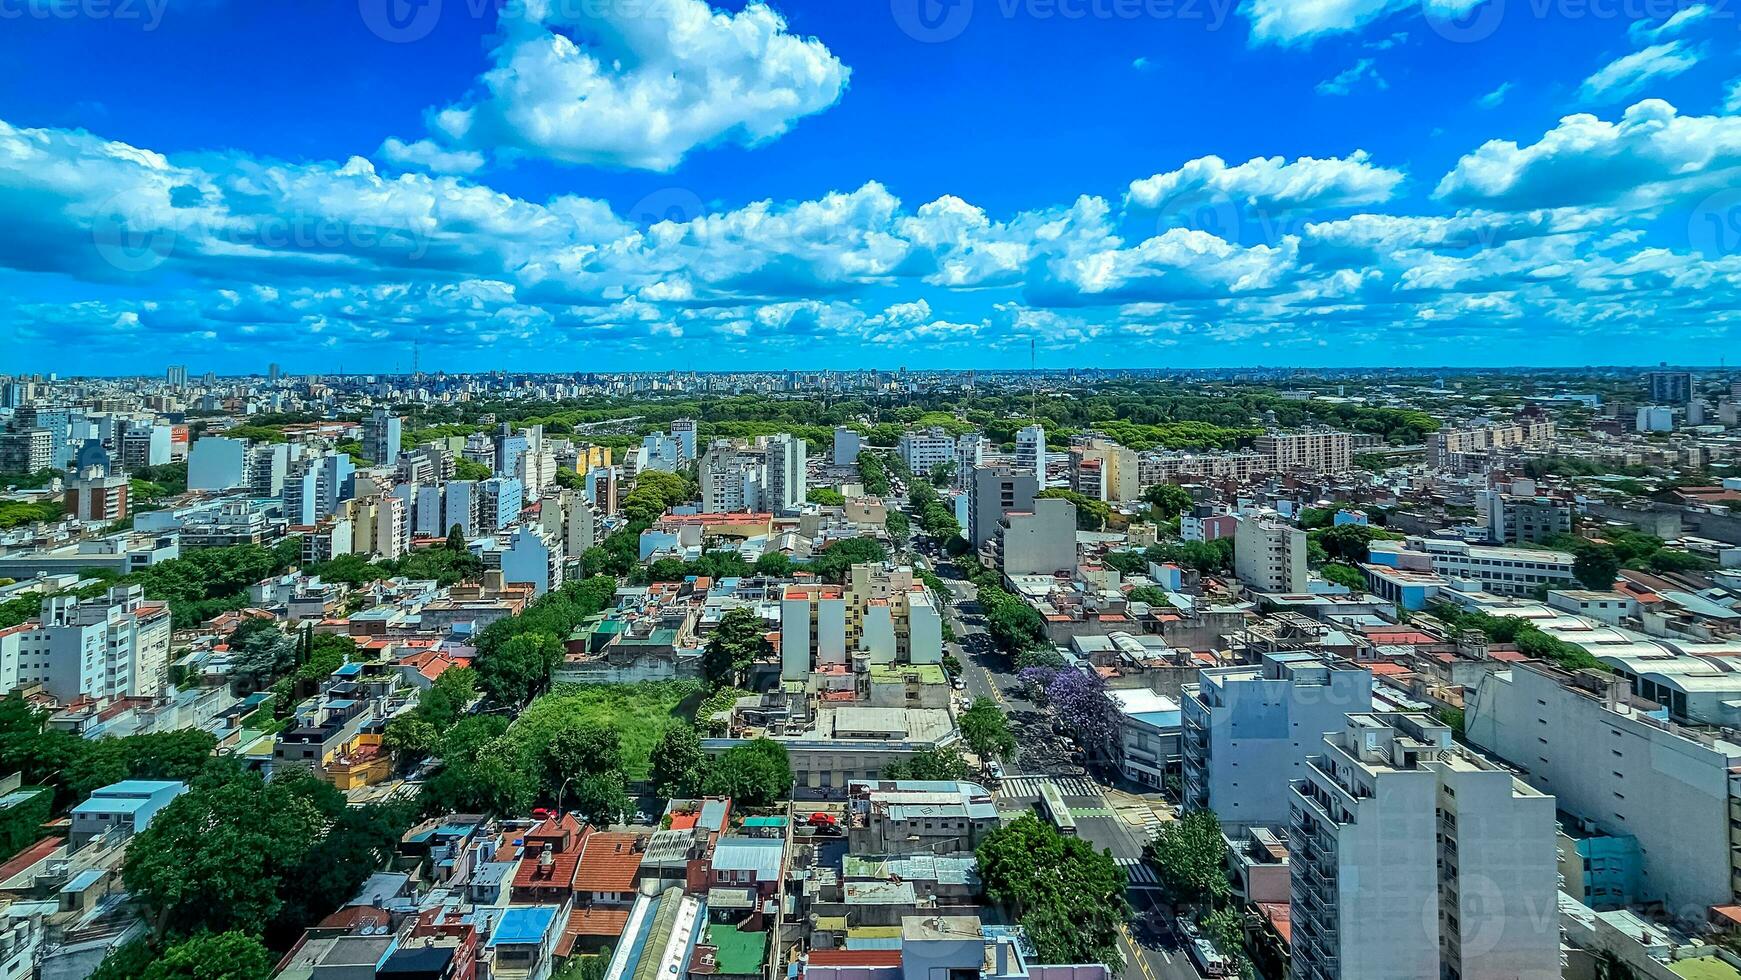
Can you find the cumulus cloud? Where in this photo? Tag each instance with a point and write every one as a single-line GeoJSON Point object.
{"type": "Point", "coordinates": [1627, 75]}
{"type": "Point", "coordinates": [425, 155]}
{"type": "Point", "coordinates": [1493, 99]}
{"type": "Point", "coordinates": [637, 86]}
{"type": "Point", "coordinates": [1651, 156]}
{"type": "Point", "coordinates": [1306, 183]}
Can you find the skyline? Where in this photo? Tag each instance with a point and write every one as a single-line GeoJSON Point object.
{"type": "Point", "coordinates": [601, 185]}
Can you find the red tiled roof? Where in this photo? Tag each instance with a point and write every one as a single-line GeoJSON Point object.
{"type": "Point", "coordinates": [597, 922]}
{"type": "Point", "coordinates": [855, 957]}
{"type": "Point", "coordinates": [1387, 669]}
{"type": "Point", "coordinates": [29, 856]}
{"type": "Point", "coordinates": [354, 916]}
{"type": "Point", "coordinates": [608, 864]}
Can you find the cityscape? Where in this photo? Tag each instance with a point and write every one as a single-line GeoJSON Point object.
{"type": "Point", "coordinates": [894, 490]}
{"type": "Point", "coordinates": [1060, 674]}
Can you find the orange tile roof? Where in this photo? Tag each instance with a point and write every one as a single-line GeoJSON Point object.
{"type": "Point", "coordinates": [855, 957]}
{"type": "Point", "coordinates": [597, 922]}
{"type": "Point", "coordinates": [29, 856]}
{"type": "Point", "coordinates": [608, 864]}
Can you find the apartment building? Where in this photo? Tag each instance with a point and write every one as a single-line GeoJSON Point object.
{"type": "Point", "coordinates": [882, 615]}
{"type": "Point", "coordinates": [1319, 450]}
{"type": "Point", "coordinates": [1269, 555]}
{"type": "Point", "coordinates": [1031, 450]}
{"type": "Point", "coordinates": [382, 437]}
{"type": "Point", "coordinates": [97, 499]}
{"type": "Point", "coordinates": [1101, 469]}
{"type": "Point", "coordinates": [926, 449]}
{"type": "Point", "coordinates": [846, 446]}
{"type": "Point", "coordinates": [1615, 760]}
{"type": "Point", "coordinates": [733, 478]}
{"type": "Point", "coordinates": [1412, 859]}
{"type": "Point", "coordinates": [110, 647]}
{"type": "Point", "coordinates": [1522, 518]}
{"type": "Point", "coordinates": [1449, 447]}
{"type": "Point", "coordinates": [786, 482]}
{"type": "Point", "coordinates": [314, 487]}
{"type": "Point", "coordinates": [1247, 730]}
{"type": "Point", "coordinates": [1503, 571]}
{"type": "Point", "coordinates": [997, 490]}
{"type": "Point", "coordinates": [1037, 542]}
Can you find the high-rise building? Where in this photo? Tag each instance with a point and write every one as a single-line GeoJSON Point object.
{"type": "Point", "coordinates": [1320, 451]}
{"type": "Point", "coordinates": [110, 647]}
{"type": "Point", "coordinates": [1031, 450]}
{"type": "Point", "coordinates": [969, 456]}
{"type": "Point", "coordinates": [1409, 857]}
{"type": "Point", "coordinates": [502, 502]}
{"type": "Point", "coordinates": [1101, 469]}
{"type": "Point", "coordinates": [1270, 555]}
{"type": "Point", "coordinates": [683, 431]}
{"type": "Point", "coordinates": [26, 451]}
{"type": "Point", "coordinates": [315, 486]}
{"type": "Point", "coordinates": [733, 478]}
{"type": "Point", "coordinates": [97, 498]}
{"type": "Point", "coordinates": [846, 446]}
{"type": "Point", "coordinates": [926, 449]}
{"type": "Point", "coordinates": [382, 438]}
{"type": "Point", "coordinates": [217, 463]}
{"type": "Point", "coordinates": [1037, 542]}
{"type": "Point", "coordinates": [1263, 718]}
{"type": "Point", "coordinates": [787, 479]}
{"type": "Point", "coordinates": [883, 614]}
{"type": "Point", "coordinates": [176, 377]}
{"type": "Point", "coordinates": [997, 490]}
{"type": "Point", "coordinates": [1669, 387]}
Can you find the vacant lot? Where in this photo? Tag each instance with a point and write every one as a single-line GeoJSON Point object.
{"type": "Point", "coordinates": [638, 713]}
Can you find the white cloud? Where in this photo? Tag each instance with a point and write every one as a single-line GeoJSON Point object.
{"type": "Point", "coordinates": [1651, 156]}
{"type": "Point", "coordinates": [1493, 99]}
{"type": "Point", "coordinates": [1732, 98]}
{"type": "Point", "coordinates": [1305, 183]}
{"type": "Point", "coordinates": [638, 85]}
{"type": "Point", "coordinates": [1642, 31]}
{"type": "Point", "coordinates": [1627, 75]}
{"type": "Point", "coordinates": [1345, 80]}
{"type": "Point", "coordinates": [425, 155]}
{"type": "Point", "coordinates": [1290, 22]}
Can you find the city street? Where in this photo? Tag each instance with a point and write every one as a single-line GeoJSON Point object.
{"type": "Point", "coordinates": [1149, 951]}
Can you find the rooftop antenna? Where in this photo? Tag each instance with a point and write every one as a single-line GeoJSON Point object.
{"type": "Point", "coordinates": [1033, 393]}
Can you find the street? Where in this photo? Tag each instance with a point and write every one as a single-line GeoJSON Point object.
{"type": "Point", "coordinates": [1150, 953]}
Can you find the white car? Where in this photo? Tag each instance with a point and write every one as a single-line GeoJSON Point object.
{"type": "Point", "coordinates": [959, 684]}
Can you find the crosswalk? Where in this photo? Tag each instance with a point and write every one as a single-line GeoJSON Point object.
{"type": "Point", "coordinates": [1028, 787]}
{"type": "Point", "coordinates": [1141, 875]}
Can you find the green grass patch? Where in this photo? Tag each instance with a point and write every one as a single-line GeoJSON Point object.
{"type": "Point", "coordinates": [638, 713]}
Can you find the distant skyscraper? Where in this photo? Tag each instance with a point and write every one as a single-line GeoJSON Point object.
{"type": "Point", "coordinates": [1669, 387]}
{"type": "Point", "coordinates": [176, 377]}
{"type": "Point", "coordinates": [272, 373]}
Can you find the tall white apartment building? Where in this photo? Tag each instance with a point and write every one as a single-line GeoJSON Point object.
{"type": "Point", "coordinates": [462, 506]}
{"type": "Point", "coordinates": [787, 479]}
{"type": "Point", "coordinates": [969, 456]}
{"type": "Point", "coordinates": [1266, 718]}
{"type": "Point", "coordinates": [111, 647]}
{"type": "Point", "coordinates": [1617, 762]}
{"type": "Point", "coordinates": [1319, 450]}
{"type": "Point", "coordinates": [1269, 555]}
{"type": "Point", "coordinates": [1412, 859]}
{"type": "Point", "coordinates": [926, 449]}
{"type": "Point", "coordinates": [846, 446]}
{"type": "Point", "coordinates": [684, 430]}
{"type": "Point", "coordinates": [1031, 450]}
{"type": "Point", "coordinates": [381, 437]}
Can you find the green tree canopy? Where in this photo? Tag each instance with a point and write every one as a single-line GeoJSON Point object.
{"type": "Point", "coordinates": [1190, 858]}
{"type": "Point", "coordinates": [1068, 896]}
{"type": "Point", "coordinates": [757, 773]}
{"type": "Point", "coordinates": [738, 640]}
{"type": "Point", "coordinates": [679, 765]}
{"type": "Point", "coordinates": [986, 730]}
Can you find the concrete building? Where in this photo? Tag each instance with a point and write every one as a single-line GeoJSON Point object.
{"type": "Point", "coordinates": [683, 430]}
{"type": "Point", "coordinates": [502, 502]}
{"type": "Point", "coordinates": [1270, 555]}
{"type": "Point", "coordinates": [315, 486]}
{"type": "Point", "coordinates": [1038, 542]}
{"type": "Point", "coordinates": [1504, 571]}
{"type": "Point", "coordinates": [1247, 730]}
{"type": "Point", "coordinates": [786, 482]}
{"type": "Point", "coordinates": [926, 449]}
{"type": "Point", "coordinates": [1411, 859]}
{"type": "Point", "coordinates": [882, 615]}
{"type": "Point", "coordinates": [527, 555]}
{"type": "Point", "coordinates": [917, 816]}
{"type": "Point", "coordinates": [1101, 469]}
{"type": "Point", "coordinates": [969, 456]}
{"type": "Point", "coordinates": [26, 451]}
{"type": "Point", "coordinates": [97, 499]}
{"type": "Point", "coordinates": [1669, 387]}
{"type": "Point", "coordinates": [733, 478]}
{"type": "Point", "coordinates": [996, 491]}
{"type": "Point", "coordinates": [382, 437]}
{"type": "Point", "coordinates": [1522, 516]}
{"type": "Point", "coordinates": [1148, 735]}
{"type": "Point", "coordinates": [130, 804]}
{"type": "Point", "coordinates": [846, 446]}
{"type": "Point", "coordinates": [111, 647]}
{"type": "Point", "coordinates": [1321, 451]}
{"type": "Point", "coordinates": [1616, 761]}
{"type": "Point", "coordinates": [216, 463]}
{"type": "Point", "coordinates": [1031, 450]}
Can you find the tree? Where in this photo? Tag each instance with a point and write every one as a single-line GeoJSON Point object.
{"type": "Point", "coordinates": [467, 469]}
{"type": "Point", "coordinates": [519, 668]}
{"type": "Point", "coordinates": [1345, 575]}
{"type": "Point", "coordinates": [1079, 700]}
{"type": "Point", "coordinates": [578, 750]}
{"type": "Point", "coordinates": [1154, 595]}
{"type": "Point", "coordinates": [1168, 499]}
{"type": "Point", "coordinates": [774, 564]}
{"type": "Point", "coordinates": [679, 765]}
{"type": "Point", "coordinates": [262, 652]}
{"type": "Point", "coordinates": [224, 956]}
{"type": "Point", "coordinates": [1190, 859]}
{"type": "Point", "coordinates": [738, 641]}
{"type": "Point", "coordinates": [757, 773]}
{"type": "Point", "coordinates": [601, 798]}
{"type": "Point", "coordinates": [986, 730]}
{"type": "Point", "coordinates": [1595, 566]}
{"type": "Point", "coordinates": [1069, 897]}
{"type": "Point", "coordinates": [456, 538]}
{"type": "Point", "coordinates": [936, 763]}
{"type": "Point", "coordinates": [410, 738]}
{"type": "Point", "coordinates": [1348, 542]}
{"type": "Point", "coordinates": [826, 496]}
{"type": "Point", "coordinates": [448, 696]}
{"type": "Point", "coordinates": [1091, 514]}
{"type": "Point", "coordinates": [834, 561]}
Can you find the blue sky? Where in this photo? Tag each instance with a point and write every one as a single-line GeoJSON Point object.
{"type": "Point", "coordinates": [653, 184]}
